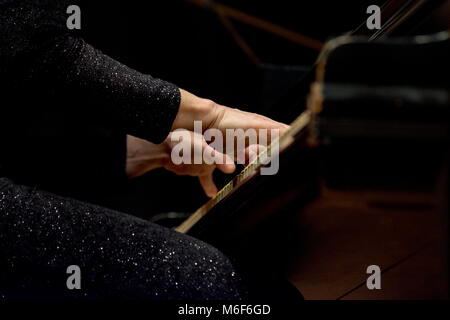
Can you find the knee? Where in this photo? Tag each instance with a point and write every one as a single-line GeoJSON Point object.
{"type": "Point", "coordinates": [194, 270]}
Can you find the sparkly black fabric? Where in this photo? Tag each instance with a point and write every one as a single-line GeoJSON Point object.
{"type": "Point", "coordinates": [67, 105]}
{"type": "Point", "coordinates": [120, 256]}
{"type": "Point", "coordinates": [65, 111]}
{"type": "Point", "coordinates": [62, 101]}
{"type": "Point", "coordinates": [36, 46]}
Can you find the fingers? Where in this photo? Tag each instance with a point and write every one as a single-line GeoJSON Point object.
{"type": "Point", "coordinates": [208, 184]}
{"type": "Point", "coordinates": [235, 118]}
{"type": "Point", "coordinates": [262, 122]}
{"type": "Point", "coordinates": [226, 168]}
{"type": "Point", "coordinates": [252, 152]}
{"type": "Point", "coordinates": [222, 161]}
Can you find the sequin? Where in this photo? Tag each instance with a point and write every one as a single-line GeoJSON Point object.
{"type": "Point", "coordinates": [142, 105]}
{"type": "Point", "coordinates": [120, 256]}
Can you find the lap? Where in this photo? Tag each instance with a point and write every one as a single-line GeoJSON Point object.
{"type": "Point", "coordinates": [119, 256]}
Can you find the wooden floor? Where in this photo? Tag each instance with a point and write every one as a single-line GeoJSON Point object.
{"type": "Point", "coordinates": [344, 232]}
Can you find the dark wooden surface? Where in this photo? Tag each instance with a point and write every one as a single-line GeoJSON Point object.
{"type": "Point", "coordinates": [343, 232]}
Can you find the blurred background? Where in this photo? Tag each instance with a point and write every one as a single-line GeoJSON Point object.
{"type": "Point", "coordinates": [232, 62]}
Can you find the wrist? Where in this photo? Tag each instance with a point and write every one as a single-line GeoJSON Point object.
{"type": "Point", "coordinates": [193, 108]}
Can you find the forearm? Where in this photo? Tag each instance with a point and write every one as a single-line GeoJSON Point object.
{"type": "Point", "coordinates": [138, 104]}
{"type": "Point", "coordinates": [39, 49]}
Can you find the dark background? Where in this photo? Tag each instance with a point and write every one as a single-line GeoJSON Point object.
{"type": "Point", "coordinates": [189, 46]}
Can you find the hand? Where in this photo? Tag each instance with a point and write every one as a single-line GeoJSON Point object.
{"type": "Point", "coordinates": [213, 115]}
{"type": "Point", "coordinates": [143, 156]}
{"type": "Point", "coordinates": [203, 171]}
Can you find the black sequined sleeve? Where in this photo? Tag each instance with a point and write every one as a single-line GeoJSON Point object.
{"type": "Point", "coordinates": [36, 45]}
{"type": "Point", "coordinates": [146, 107]}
